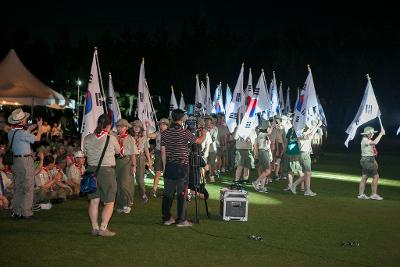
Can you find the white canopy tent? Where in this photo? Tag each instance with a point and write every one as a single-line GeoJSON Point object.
{"type": "Point", "coordinates": [19, 86]}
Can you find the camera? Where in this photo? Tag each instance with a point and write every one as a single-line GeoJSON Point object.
{"type": "Point", "coordinates": [191, 124]}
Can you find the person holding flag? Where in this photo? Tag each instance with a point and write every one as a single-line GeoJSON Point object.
{"type": "Point", "coordinates": [369, 166]}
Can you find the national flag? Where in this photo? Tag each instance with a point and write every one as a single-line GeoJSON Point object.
{"type": "Point", "coordinates": [288, 109]}
{"type": "Point", "coordinates": [208, 102]}
{"type": "Point", "coordinates": [182, 104]}
{"type": "Point", "coordinates": [145, 111]}
{"type": "Point", "coordinates": [275, 107]}
{"type": "Point", "coordinates": [113, 108]}
{"type": "Point", "coordinates": [248, 94]}
{"type": "Point", "coordinates": [281, 98]}
{"type": "Point", "coordinates": [218, 105]}
{"type": "Point", "coordinates": [367, 111]}
{"type": "Point", "coordinates": [237, 101]}
{"type": "Point", "coordinates": [263, 103]}
{"type": "Point", "coordinates": [297, 99]}
{"type": "Point", "coordinates": [94, 100]}
{"type": "Point", "coordinates": [199, 99]}
{"type": "Point", "coordinates": [228, 97]}
{"type": "Point", "coordinates": [173, 104]}
{"type": "Point", "coordinates": [398, 131]}
{"type": "Point", "coordinates": [307, 107]}
{"type": "Point", "coordinates": [322, 113]}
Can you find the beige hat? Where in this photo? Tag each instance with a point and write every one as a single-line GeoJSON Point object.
{"type": "Point", "coordinates": [164, 121]}
{"type": "Point", "coordinates": [123, 122]}
{"type": "Point", "coordinates": [137, 123]}
{"type": "Point", "coordinates": [368, 130]}
{"type": "Point", "coordinates": [17, 116]}
{"type": "Point", "coordinates": [79, 154]}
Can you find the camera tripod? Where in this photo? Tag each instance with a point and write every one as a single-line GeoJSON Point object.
{"type": "Point", "coordinates": [196, 182]}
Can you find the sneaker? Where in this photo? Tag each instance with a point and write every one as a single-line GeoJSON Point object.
{"type": "Point", "coordinates": [45, 206]}
{"type": "Point", "coordinates": [362, 196]}
{"type": "Point", "coordinates": [263, 190]}
{"type": "Point", "coordinates": [293, 189]}
{"type": "Point", "coordinates": [95, 232]}
{"type": "Point", "coordinates": [185, 223]}
{"type": "Point", "coordinates": [106, 232]}
{"type": "Point", "coordinates": [145, 199]}
{"type": "Point", "coordinates": [255, 185]}
{"type": "Point", "coordinates": [120, 210]}
{"type": "Point", "coordinates": [287, 189]}
{"type": "Point", "coordinates": [269, 180]}
{"type": "Point", "coordinates": [277, 178]}
{"type": "Point", "coordinates": [169, 222]}
{"type": "Point", "coordinates": [36, 207]}
{"type": "Point", "coordinates": [153, 193]}
{"type": "Point", "coordinates": [126, 210]}
{"type": "Point", "coordinates": [310, 194]}
{"type": "Point", "coordinates": [376, 197]}
{"type": "Point", "coordinates": [284, 178]}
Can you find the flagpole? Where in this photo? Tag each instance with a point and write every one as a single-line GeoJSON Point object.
{"type": "Point", "coordinates": [101, 81]}
{"type": "Point", "coordinates": [151, 103]}
{"type": "Point", "coordinates": [379, 117]}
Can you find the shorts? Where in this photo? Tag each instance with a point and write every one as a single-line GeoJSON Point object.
{"type": "Point", "coordinates": [244, 158]}
{"type": "Point", "coordinates": [264, 160]}
{"type": "Point", "coordinates": [294, 164]}
{"type": "Point", "coordinates": [369, 166]}
{"type": "Point", "coordinates": [158, 166]}
{"type": "Point", "coordinates": [305, 161]}
{"type": "Point", "coordinates": [106, 184]}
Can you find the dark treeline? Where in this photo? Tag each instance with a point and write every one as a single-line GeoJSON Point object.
{"type": "Point", "coordinates": [340, 53]}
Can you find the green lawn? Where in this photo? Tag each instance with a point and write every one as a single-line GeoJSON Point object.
{"type": "Point", "coordinates": [296, 230]}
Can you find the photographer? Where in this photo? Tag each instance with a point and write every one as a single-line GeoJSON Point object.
{"type": "Point", "coordinates": [23, 168]}
{"type": "Point", "coordinates": [175, 157]}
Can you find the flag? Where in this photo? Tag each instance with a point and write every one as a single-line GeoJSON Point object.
{"type": "Point", "coordinates": [275, 109]}
{"type": "Point", "coordinates": [248, 94]}
{"type": "Point", "coordinates": [182, 104]}
{"type": "Point", "coordinates": [263, 102]}
{"type": "Point", "coordinates": [237, 101]}
{"type": "Point", "coordinates": [145, 111]}
{"type": "Point", "coordinates": [281, 98]}
{"type": "Point", "coordinates": [228, 97]}
{"type": "Point", "coordinates": [208, 102]}
{"type": "Point", "coordinates": [113, 108]}
{"type": "Point", "coordinates": [288, 109]}
{"type": "Point", "coordinates": [173, 104]}
{"type": "Point", "coordinates": [297, 99]}
{"type": "Point", "coordinates": [218, 105]}
{"type": "Point", "coordinates": [199, 100]}
{"type": "Point", "coordinates": [367, 111]}
{"type": "Point", "coordinates": [398, 131]}
{"type": "Point", "coordinates": [307, 107]}
{"type": "Point", "coordinates": [322, 113]}
{"type": "Point", "coordinates": [94, 101]}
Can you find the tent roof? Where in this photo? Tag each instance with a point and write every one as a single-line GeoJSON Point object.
{"type": "Point", "coordinates": [18, 84]}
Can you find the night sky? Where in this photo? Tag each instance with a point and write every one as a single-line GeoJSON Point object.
{"type": "Point", "coordinates": [55, 41]}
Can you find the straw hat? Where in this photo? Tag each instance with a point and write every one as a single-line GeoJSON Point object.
{"type": "Point", "coordinates": [79, 154]}
{"type": "Point", "coordinates": [164, 121]}
{"type": "Point", "coordinates": [17, 116]}
{"type": "Point", "coordinates": [123, 122]}
{"type": "Point", "coordinates": [368, 130]}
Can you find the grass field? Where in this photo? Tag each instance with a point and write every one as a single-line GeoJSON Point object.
{"type": "Point", "coordinates": [296, 230]}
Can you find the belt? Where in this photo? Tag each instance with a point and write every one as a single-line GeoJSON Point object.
{"type": "Point", "coordinates": [22, 156]}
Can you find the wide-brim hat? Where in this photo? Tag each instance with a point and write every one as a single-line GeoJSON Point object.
{"type": "Point", "coordinates": [123, 122]}
{"type": "Point", "coordinates": [137, 123]}
{"type": "Point", "coordinates": [164, 121]}
{"type": "Point", "coordinates": [79, 154]}
{"type": "Point", "coordinates": [209, 118]}
{"type": "Point", "coordinates": [368, 130]}
{"type": "Point", "coordinates": [264, 125]}
{"type": "Point", "coordinates": [278, 118]}
{"type": "Point", "coordinates": [17, 116]}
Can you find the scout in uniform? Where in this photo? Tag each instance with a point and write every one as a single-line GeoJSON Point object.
{"type": "Point", "coordinates": [263, 154]}
{"type": "Point", "coordinates": [244, 160]}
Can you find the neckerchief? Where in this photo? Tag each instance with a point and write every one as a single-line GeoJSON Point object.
{"type": "Point", "coordinates": [121, 138]}
{"type": "Point", "coordinates": [79, 168]}
{"type": "Point", "coordinates": [137, 139]}
{"type": "Point", "coordinates": [101, 134]}
{"type": "Point", "coordinates": [17, 127]}
{"type": "Point", "coordinates": [375, 150]}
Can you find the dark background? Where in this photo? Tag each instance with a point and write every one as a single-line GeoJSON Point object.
{"type": "Point", "coordinates": [55, 41]}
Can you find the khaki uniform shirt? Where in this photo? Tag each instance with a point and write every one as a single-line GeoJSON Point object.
{"type": "Point", "coordinates": [74, 173]}
{"type": "Point", "coordinates": [366, 148]}
{"type": "Point", "coordinates": [93, 147]}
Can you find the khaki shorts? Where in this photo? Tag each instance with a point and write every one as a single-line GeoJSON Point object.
{"type": "Point", "coordinates": [305, 162]}
{"type": "Point", "coordinates": [369, 166]}
{"type": "Point", "coordinates": [294, 164]}
{"type": "Point", "coordinates": [244, 158]}
{"type": "Point", "coordinates": [106, 184]}
{"type": "Point", "coordinates": [264, 160]}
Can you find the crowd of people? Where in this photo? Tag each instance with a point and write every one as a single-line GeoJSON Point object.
{"type": "Point", "coordinates": [46, 167]}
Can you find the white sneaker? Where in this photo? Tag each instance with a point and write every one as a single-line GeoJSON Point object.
{"type": "Point", "coordinates": [127, 210]}
{"type": "Point", "coordinates": [376, 197]}
{"type": "Point", "coordinates": [263, 190]}
{"type": "Point", "coordinates": [255, 185]}
{"type": "Point", "coordinates": [362, 196]}
{"type": "Point", "coordinates": [45, 206]}
{"type": "Point", "coordinates": [310, 193]}
{"type": "Point", "coordinates": [293, 189]}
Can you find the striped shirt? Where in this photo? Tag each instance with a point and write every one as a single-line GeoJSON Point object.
{"type": "Point", "coordinates": [176, 140]}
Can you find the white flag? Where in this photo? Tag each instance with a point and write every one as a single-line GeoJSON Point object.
{"type": "Point", "coordinates": [237, 101]}
{"type": "Point", "coordinates": [228, 97]}
{"type": "Point", "coordinates": [208, 102]}
{"type": "Point", "coordinates": [218, 105]}
{"type": "Point", "coordinates": [144, 106]}
{"type": "Point", "coordinates": [307, 106]}
{"type": "Point", "coordinates": [275, 109]}
{"type": "Point", "coordinates": [322, 113]}
{"type": "Point", "coordinates": [248, 94]}
{"type": "Point", "coordinates": [398, 131]}
{"type": "Point", "coordinates": [263, 102]}
{"type": "Point", "coordinates": [182, 104]}
{"type": "Point", "coordinates": [199, 99]}
{"type": "Point", "coordinates": [94, 101]}
{"type": "Point", "coordinates": [297, 99]}
{"type": "Point", "coordinates": [281, 98]}
{"type": "Point", "coordinates": [173, 104]}
{"type": "Point", "coordinates": [367, 111]}
{"type": "Point", "coordinates": [113, 108]}
{"type": "Point", "coordinates": [288, 109]}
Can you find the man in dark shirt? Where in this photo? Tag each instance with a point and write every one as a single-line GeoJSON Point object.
{"type": "Point", "coordinates": [175, 156]}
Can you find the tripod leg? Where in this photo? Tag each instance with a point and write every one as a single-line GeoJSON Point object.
{"type": "Point", "coordinates": [208, 214]}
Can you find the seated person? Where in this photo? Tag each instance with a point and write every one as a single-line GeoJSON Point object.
{"type": "Point", "coordinates": [75, 171]}
{"type": "Point", "coordinates": [6, 186]}
{"type": "Point", "coordinates": [58, 173]}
